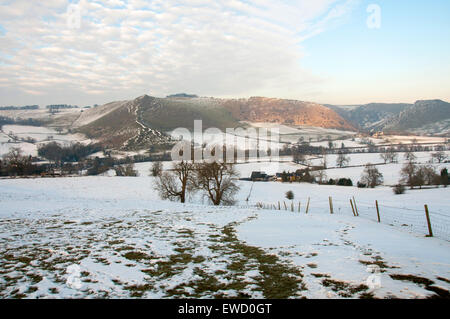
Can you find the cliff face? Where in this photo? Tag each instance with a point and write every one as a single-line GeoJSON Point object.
{"type": "Point", "coordinates": [290, 112]}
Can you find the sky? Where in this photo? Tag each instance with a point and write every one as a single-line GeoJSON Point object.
{"type": "Point", "coordinates": [327, 51]}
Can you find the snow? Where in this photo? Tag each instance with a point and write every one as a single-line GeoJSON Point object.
{"type": "Point", "coordinates": [124, 239]}
{"type": "Point", "coordinates": [39, 134]}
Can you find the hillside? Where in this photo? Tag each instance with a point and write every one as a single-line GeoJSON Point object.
{"type": "Point", "coordinates": [291, 112]}
{"type": "Point", "coordinates": [428, 116]}
{"type": "Point", "coordinates": [370, 115]}
{"type": "Point", "coordinates": [422, 117]}
{"type": "Point", "coordinates": [117, 125]}
{"type": "Point", "coordinates": [145, 121]}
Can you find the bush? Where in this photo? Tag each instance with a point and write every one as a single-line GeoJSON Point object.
{"type": "Point", "coordinates": [399, 189]}
{"type": "Point", "coordinates": [290, 195]}
{"type": "Point", "coordinates": [361, 185]}
{"type": "Point", "coordinates": [344, 182]}
{"type": "Point", "coordinates": [125, 170]}
{"type": "Point", "coordinates": [98, 166]}
{"type": "Point", "coordinates": [444, 177]}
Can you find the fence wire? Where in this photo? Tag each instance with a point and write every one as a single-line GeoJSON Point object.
{"type": "Point", "coordinates": [411, 219]}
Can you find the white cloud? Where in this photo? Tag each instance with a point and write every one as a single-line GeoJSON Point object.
{"type": "Point", "coordinates": [126, 48]}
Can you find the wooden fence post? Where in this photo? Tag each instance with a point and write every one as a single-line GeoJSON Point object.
{"type": "Point", "coordinates": [307, 206]}
{"type": "Point", "coordinates": [299, 206]}
{"type": "Point", "coordinates": [330, 200]}
{"type": "Point", "coordinates": [356, 207]}
{"type": "Point", "coordinates": [279, 206]}
{"type": "Point", "coordinates": [285, 207]}
{"type": "Point", "coordinates": [378, 211]}
{"type": "Point", "coordinates": [292, 206]}
{"type": "Point", "coordinates": [353, 209]}
{"type": "Point", "coordinates": [427, 214]}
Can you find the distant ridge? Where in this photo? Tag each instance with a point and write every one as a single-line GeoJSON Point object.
{"type": "Point", "coordinates": [422, 117]}
{"type": "Point", "coordinates": [182, 95]}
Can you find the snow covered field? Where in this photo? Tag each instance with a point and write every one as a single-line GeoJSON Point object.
{"type": "Point", "coordinates": [38, 133]}
{"type": "Point", "coordinates": [113, 237]}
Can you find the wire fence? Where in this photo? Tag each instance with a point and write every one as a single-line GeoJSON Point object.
{"type": "Point", "coordinates": [401, 216]}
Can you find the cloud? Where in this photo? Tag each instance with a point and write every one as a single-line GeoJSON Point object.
{"type": "Point", "coordinates": [127, 48]}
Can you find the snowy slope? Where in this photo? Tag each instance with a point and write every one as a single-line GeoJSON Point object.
{"type": "Point", "coordinates": [113, 237]}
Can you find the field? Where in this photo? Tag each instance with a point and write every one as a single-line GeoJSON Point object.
{"type": "Point", "coordinates": [113, 237]}
{"type": "Point", "coordinates": [39, 134]}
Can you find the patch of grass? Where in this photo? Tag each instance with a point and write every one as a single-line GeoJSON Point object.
{"type": "Point", "coordinates": [136, 255]}
{"type": "Point", "coordinates": [116, 242]}
{"type": "Point", "coordinates": [443, 279]}
{"type": "Point", "coordinates": [53, 290]}
{"type": "Point", "coordinates": [137, 291]}
{"type": "Point", "coordinates": [377, 261]}
{"type": "Point", "coordinates": [277, 280]}
{"type": "Point", "coordinates": [31, 289]}
{"type": "Point", "coordinates": [439, 293]}
{"type": "Point", "coordinates": [343, 288]}
{"type": "Point", "coordinates": [122, 248]}
{"type": "Point", "coordinates": [35, 278]}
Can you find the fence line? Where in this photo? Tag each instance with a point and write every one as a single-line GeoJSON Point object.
{"type": "Point", "coordinates": [415, 220]}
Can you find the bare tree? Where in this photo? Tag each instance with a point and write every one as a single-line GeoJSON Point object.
{"type": "Point", "coordinates": [407, 174]}
{"type": "Point", "coordinates": [342, 160]}
{"type": "Point", "coordinates": [409, 156]}
{"type": "Point", "coordinates": [320, 176]}
{"type": "Point", "coordinates": [126, 170]}
{"type": "Point", "coordinates": [389, 155]}
{"type": "Point", "coordinates": [156, 169]}
{"type": "Point", "coordinates": [217, 180]}
{"type": "Point", "coordinates": [419, 177]}
{"type": "Point", "coordinates": [431, 177]}
{"type": "Point", "coordinates": [371, 176]}
{"type": "Point", "coordinates": [440, 156]}
{"type": "Point", "coordinates": [297, 156]}
{"type": "Point", "coordinates": [16, 163]}
{"type": "Point", "coordinates": [324, 159]}
{"type": "Point", "coordinates": [176, 183]}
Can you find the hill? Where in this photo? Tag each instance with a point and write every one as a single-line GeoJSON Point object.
{"type": "Point", "coordinates": [422, 117]}
{"type": "Point", "coordinates": [145, 120]}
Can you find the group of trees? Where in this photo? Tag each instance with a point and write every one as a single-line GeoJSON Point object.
{"type": "Point", "coordinates": [216, 180]}
{"type": "Point", "coordinates": [19, 121]}
{"type": "Point", "coordinates": [340, 181]}
{"type": "Point", "coordinates": [15, 164]}
{"type": "Point", "coordinates": [125, 170]}
{"type": "Point", "coordinates": [414, 175]}
{"type": "Point", "coordinates": [12, 107]}
{"type": "Point", "coordinates": [389, 154]}
{"type": "Point", "coordinates": [60, 154]}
